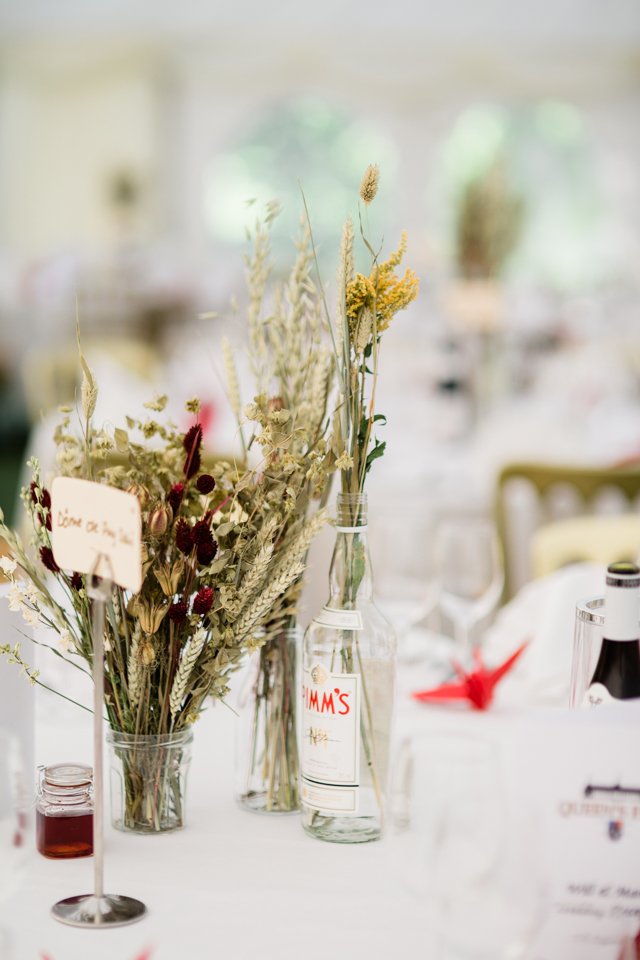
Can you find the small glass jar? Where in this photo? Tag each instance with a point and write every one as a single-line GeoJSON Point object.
{"type": "Point", "coordinates": [64, 811]}
{"type": "Point", "coordinates": [149, 780]}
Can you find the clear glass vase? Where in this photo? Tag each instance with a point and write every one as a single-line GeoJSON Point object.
{"type": "Point", "coordinates": [349, 668]}
{"type": "Point", "coordinates": [267, 762]}
{"type": "Point", "coordinates": [149, 780]}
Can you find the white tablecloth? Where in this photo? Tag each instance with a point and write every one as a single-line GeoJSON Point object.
{"type": "Point", "coordinates": [235, 884]}
{"type": "Point", "coordinates": [231, 884]}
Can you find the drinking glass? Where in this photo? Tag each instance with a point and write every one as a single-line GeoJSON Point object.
{"type": "Point", "coordinates": [407, 602]}
{"type": "Point", "coordinates": [463, 848]}
{"type": "Point", "coordinates": [469, 572]}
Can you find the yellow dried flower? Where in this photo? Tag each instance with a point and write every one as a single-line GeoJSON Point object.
{"type": "Point", "coordinates": [369, 184]}
{"type": "Point", "coordinates": [360, 293]}
{"type": "Point", "coordinates": [170, 577]}
{"type": "Point", "coordinates": [382, 291]}
{"type": "Point", "coordinates": [150, 614]}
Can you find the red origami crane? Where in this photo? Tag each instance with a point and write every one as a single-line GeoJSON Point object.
{"type": "Point", "coordinates": [476, 686]}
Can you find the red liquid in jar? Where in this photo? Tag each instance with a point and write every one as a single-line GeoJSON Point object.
{"type": "Point", "coordinates": [63, 837]}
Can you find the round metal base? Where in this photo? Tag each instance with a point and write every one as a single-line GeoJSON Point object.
{"type": "Point", "coordinates": [90, 911]}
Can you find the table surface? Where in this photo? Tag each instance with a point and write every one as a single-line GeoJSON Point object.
{"type": "Point", "coordinates": [242, 885]}
{"type": "Point", "coordinates": [231, 883]}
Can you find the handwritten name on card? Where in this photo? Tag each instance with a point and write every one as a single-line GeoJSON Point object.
{"type": "Point", "coordinates": [92, 519]}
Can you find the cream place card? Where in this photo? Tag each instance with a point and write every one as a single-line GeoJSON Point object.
{"type": "Point", "coordinates": [584, 769]}
{"type": "Point", "coordinates": [91, 521]}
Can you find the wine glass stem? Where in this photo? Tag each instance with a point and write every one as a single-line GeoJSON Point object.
{"type": "Point", "coordinates": [462, 634]}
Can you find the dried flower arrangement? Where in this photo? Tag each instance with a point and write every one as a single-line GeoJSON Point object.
{"type": "Point", "coordinates": [293, 367]}
{"type": "Point", "coordinates": [366, 307]}
{"type": "Point", "coordinates": [212, 577]}
{"type": "Point", "coordinates": [488, 223]}
{"type": "Point", "coordinates": [349, 640]}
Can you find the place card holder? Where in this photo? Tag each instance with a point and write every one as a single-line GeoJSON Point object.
{"type": "Point", "coordinates": [98, 909]}
{"type": "Point", "coordinates": [84, 516]}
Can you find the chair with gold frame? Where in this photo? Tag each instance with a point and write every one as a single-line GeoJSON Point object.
{"type": "Point", "coordinates": [596, 538]}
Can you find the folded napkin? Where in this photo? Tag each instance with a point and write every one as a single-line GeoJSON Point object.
{"type": "Point", "coordinates": [543, 612]}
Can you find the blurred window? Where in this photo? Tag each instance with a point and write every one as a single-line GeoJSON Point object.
{"type": "Point", "coordinates": [571, 235]}
{"type": "Point", "coordinates": [305, 143]}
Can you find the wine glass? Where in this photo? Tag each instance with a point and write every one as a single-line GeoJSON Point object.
{"type": "Point", "coordinates": [463, 849]}
{"type": "Point", "coordinates": [407, 602]}
{"type": "Point", "coordinates": [469, 572]}
{"type": "Point", "coordinates": [15, 840]}
{"type": "Point", "coordinates": [405, 589]}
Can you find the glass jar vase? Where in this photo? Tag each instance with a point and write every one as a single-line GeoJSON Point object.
{"type": "Point", "coordinates": [149, 780]}
{"type": "Point", "coordinates": [349, 669]}
{"type": "Point", "coordinates": [267, 761]}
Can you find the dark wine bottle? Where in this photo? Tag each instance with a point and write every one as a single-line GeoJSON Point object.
{"type": "Point", "coordinates": [617, 672]}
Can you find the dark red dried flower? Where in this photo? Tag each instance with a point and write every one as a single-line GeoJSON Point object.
{"type": "Point", "coordinates": [44, 500]}
{"type": "Point", "coordinates": [178, 611]}
{"type": "Point", "coordinates": [46, 555]}
{"type": "Point", "coordinates": [175, 495]}
{"type": "Point", "coordinates": [184, 537]}
{"type": "Point", "coordinates": [191, 464]}
{"type": "Point", "coordinates": [191, 443]}
{"type": "Point", "coordinates": [201, 533]}
{"type": "Point", "coordinates": [206, 552]}
{"type": "Point", "coordinates": [192, 438]}
{"type": "Point", "coordinates": [203, 601]}
{"type": "Point", "coordinates": [205, 483]}
{"type": "Point", "coordinates": [76, 581]}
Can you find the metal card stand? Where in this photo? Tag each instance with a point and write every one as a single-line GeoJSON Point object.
{"type": "Point", "coordinates": [98, 909]}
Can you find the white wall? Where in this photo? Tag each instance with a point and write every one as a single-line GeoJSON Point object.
{"type": "Point", "coordinates": [64, 130]}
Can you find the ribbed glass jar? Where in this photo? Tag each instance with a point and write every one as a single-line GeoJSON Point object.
{"type": "Point", "coordinates": [149, 780]}
{"type": "Point", "coordinates": [348, 689]}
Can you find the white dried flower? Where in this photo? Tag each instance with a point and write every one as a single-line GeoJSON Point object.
{"type": "Point", "coordinates": [344, 461]}
{"type": "Point", "coordinates": [65, 641]}
{"type": "Point", "coordinates": [30, 617]}
{"type": "Point", "coordinates": [8, 566]}
{"type": "Point", "coordinates": [29, 593]}
{"type": "Point", "coordinates": [69, 459]}
{"type": "Point", "coordinates": [15, 598]}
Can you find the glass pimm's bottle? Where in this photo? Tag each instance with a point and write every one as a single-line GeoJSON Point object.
{"type": "Point", "coordinates": [617, 672]}
{"type": "Point", "coordinates": [349, 663]}
{"type": "Point", "coordinates": [64, 811]}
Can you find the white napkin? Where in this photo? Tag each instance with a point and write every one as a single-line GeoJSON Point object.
{"type": "Point", "coordinates": [544, 613]}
